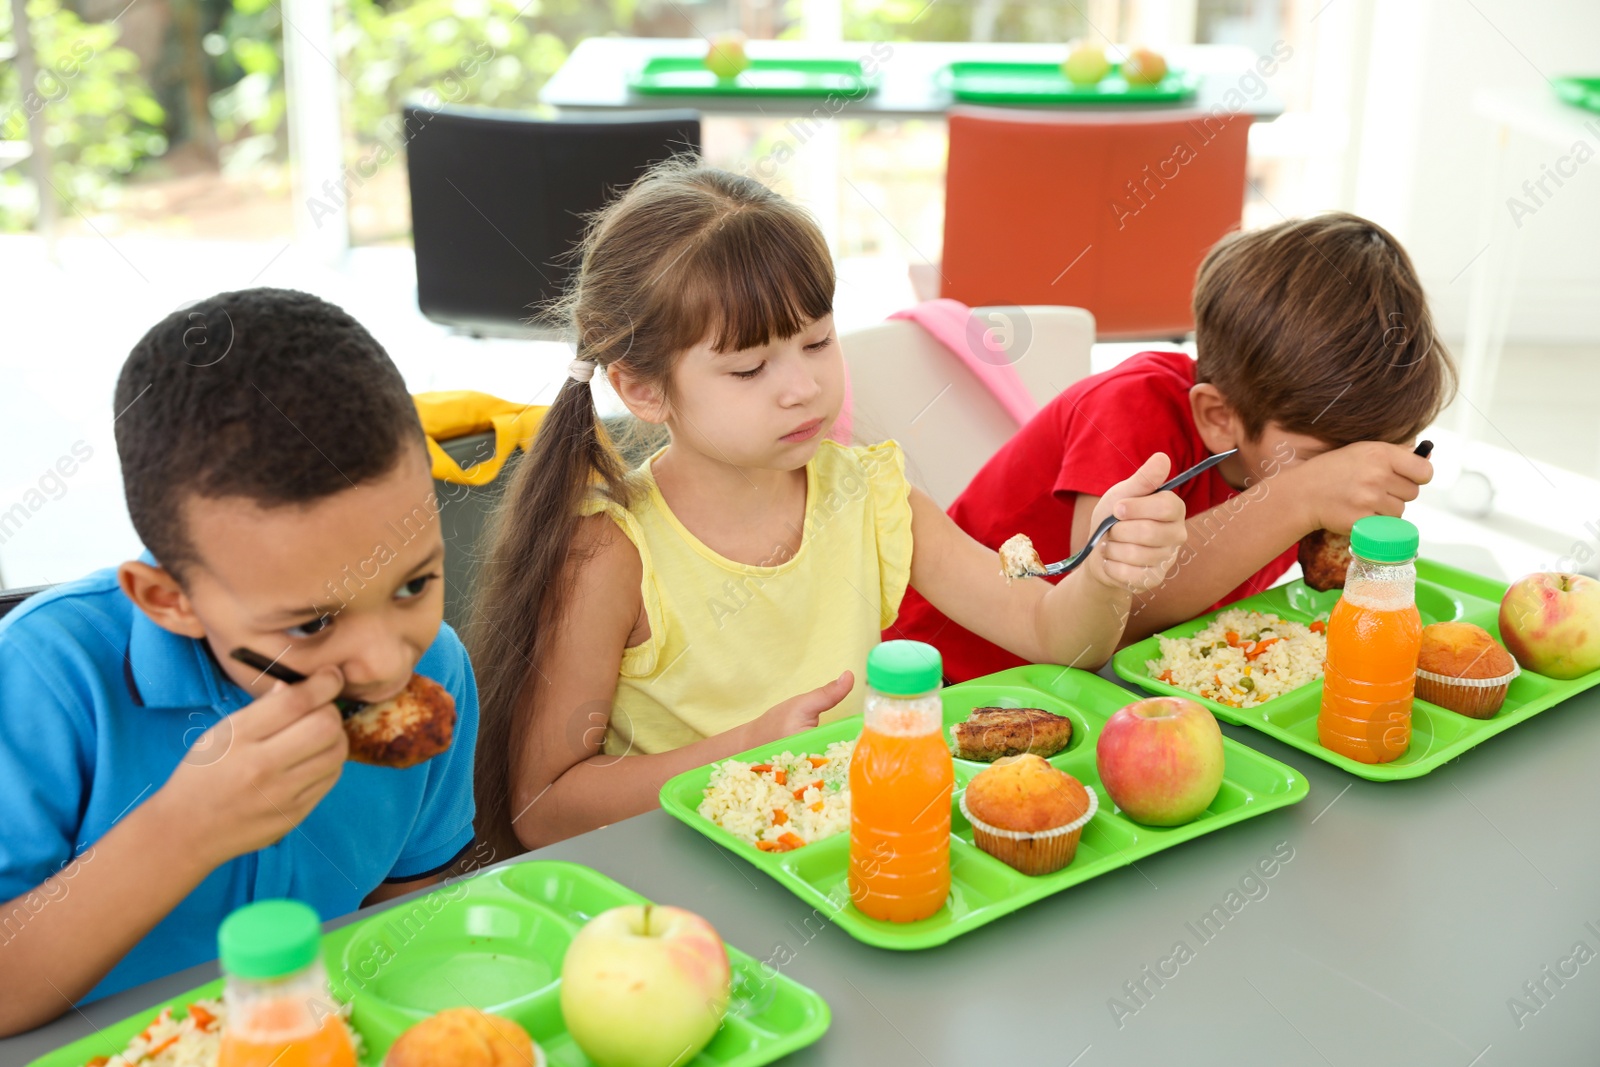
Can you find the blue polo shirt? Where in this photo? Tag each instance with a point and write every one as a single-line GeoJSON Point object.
{"type": "Point", "coordinates": [97, 706]}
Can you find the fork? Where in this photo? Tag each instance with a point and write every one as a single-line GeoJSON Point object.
{"type": "Point", "coordinates": [1072, 563]}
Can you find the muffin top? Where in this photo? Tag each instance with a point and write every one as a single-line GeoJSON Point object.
{"type": "Point", "coordinates": [1462, 650]}
{"type": "Point", "coordinates": [463, 1037]}
{"type": "Point", "coordinates": [1026, 794]}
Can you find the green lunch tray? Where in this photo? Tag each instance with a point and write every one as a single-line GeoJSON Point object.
{"type": "Point", "coordinates": [1044, 83]}
{"type": "Point", "coordinates": [496, 942]}
{"type": "Point", "coordinates": [688, 76]}
{"type": "Point", "coordinates": [1438, 735]}
{"type": "Point", "coordinates": [1579, 92]}
{"type": "Point", "coordinates": [982, 889]}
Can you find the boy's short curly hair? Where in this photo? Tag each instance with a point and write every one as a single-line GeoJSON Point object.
{"type": "Point", "coordinates": [273, 396]}
{"type": "Point", "coordinates": [1321, 326]}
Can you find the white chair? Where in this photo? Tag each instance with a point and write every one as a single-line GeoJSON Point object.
{"type": "Point", "coordinates": [909, 387]}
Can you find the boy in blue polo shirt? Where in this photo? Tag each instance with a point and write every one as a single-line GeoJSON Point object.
{"type": "Point", "coordinates": [276, 472]}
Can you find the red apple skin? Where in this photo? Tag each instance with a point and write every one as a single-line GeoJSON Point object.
{"type": "Point", "coordinates": [1551, 623]}
{"type": "Point", "coordinates": [1161, 760]}
{"type": "Point", "coordinates": [1144, 67]}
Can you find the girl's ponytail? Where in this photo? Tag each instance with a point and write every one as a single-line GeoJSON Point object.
{"type": "Point", "coordinates": [523, 581]}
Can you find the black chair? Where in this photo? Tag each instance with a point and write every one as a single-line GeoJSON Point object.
{"type": "Point", "coordinates": [498, 201]}
{"type": "Point", "coordinates": [10, 598]}
{"type": "Point", "coordinates": [464, 511]}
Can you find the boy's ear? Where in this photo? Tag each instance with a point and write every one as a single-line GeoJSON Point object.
{"type": "Point", "coordinates": [157, 593]}
{"type": "Point", "coordinates": [646, 402]}
{"type": "Point", "coordinates": [1215, 418]}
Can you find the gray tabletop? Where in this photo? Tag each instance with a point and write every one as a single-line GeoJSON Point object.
{"type": "Point", "coordinates": [595, 76]}
{"type": "Point", "coordinates": [1402, 923]}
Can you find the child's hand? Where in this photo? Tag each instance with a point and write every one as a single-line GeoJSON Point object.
{"type": "Point", "coordinates": [1350, 483]}
{"type": "Point", "coordinates": [801, 712]}
{"type": "Point", "coordinates": [1139, 550]}
{"type": "Point", "coordinates": [254, 776]}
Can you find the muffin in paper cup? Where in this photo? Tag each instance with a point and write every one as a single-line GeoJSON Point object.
{"type": "Point", "coordinates": [1037, 852]}
{"type": "Point", "coordinates": [1476, 698]}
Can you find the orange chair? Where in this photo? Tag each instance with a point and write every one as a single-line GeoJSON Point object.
{"type": "Point", "coordinates": [1110, 211]}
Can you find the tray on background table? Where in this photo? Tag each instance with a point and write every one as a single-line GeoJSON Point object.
{"type": "Point", "coordinates": [1581, 92]}
{"type": "Point", "coordinates": [495, 942]}
{"type": "Point", "coordinates": [982, 888]}
{"type": "Point", "coordinates": [1438, 735]}
{"type": "Point", "coordinates": [688, 76]}
{"type": "Point", "coordinates": [1044, 83]}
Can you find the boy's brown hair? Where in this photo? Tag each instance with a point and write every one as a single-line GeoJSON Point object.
{"type": "Point", "coordinates": [1321, 326]}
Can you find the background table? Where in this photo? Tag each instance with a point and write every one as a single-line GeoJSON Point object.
{"type": "Point", "coordinates": [1403, 922]}
{"type": "Point", "coordinates": [595, 76]}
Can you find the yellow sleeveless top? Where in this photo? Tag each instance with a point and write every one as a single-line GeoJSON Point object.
{"type": "Point", "coordinates": [729, 640]}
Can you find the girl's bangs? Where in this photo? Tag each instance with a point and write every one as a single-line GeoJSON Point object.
{"type": "Point", "coordinates": [760, 276]}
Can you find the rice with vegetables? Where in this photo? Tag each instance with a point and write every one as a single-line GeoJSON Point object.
{"type": "Point", "coordinates": [192, 1041]}
{"type": "Point", "coordinates": [785, 803]}
{"type": "Point", "coordinates": [1243, 658]}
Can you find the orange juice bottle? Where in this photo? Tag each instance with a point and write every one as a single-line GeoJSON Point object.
{"type": "Point", "coordinates": [279, 1011]}
{"type": "Point", "coordinates": [1374, 634]}
{"type": "Point", "coordinates": [901, 778]}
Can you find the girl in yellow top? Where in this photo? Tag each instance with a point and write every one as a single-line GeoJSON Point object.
{"type": "Point", "coordinates": [633, 625]}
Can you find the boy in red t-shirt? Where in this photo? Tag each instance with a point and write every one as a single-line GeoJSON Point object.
{"type": "Point", "coordinates": [1317, 360]}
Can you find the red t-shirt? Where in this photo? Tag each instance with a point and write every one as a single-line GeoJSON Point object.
{"type": "Point", "coordinates": [1086, 440]}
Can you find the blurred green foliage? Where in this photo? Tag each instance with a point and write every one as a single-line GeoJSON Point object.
{"type": "Point", "coordinates": [103, 119]}
{"type": "Point", "coordinates": [99, 115]}
{"type": "Point", "coordinates": [249, 108]}
{"type": "Point", "coordinates": [450, 51]}
{"type": "Point", "coordinates": [491, 53]}
{"type": "Point", "coordinates": [961, 20]}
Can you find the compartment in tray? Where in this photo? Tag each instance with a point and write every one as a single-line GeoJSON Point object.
{"type": "Point", "coordinates": [961, 700]}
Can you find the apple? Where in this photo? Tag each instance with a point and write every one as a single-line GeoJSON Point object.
{"type": "Point", "coordinates": [1161, 760]}
{"type": "Point", "coordinates": [644, 986]}
{"type": "Point", "coordinates": [726, 57]}
{"type": "Point", "coordinates": [1143, 67]}
{"type": "Point", "coordinates": [1551, 623]}
{"type": "Point", "coordinates": [1086, 64]}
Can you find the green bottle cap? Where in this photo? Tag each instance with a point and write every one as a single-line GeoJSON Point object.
{"type": "Point", "coordinates": [1383, 539]}
{"type": "Point", "coordinates": [269, 939]}
{"type": "Point", "coordinates": [904, 668]}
